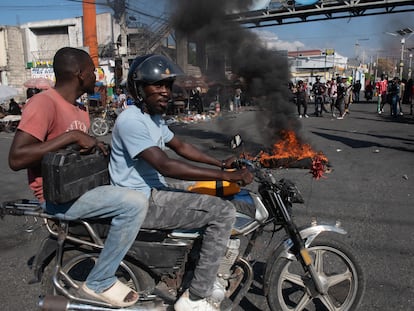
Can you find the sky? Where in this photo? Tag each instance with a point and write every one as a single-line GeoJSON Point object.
{"type": "Point", "coordinates": [363, 37]}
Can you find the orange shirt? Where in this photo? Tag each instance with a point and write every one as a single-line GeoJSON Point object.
{"type": "Point", "coordinates": [46, 116]}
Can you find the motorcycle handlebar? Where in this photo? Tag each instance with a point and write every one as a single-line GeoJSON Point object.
{"type": "Point", "coordinates": [288, 188]}
{"type": "Point", "coordinates": [240, 163]}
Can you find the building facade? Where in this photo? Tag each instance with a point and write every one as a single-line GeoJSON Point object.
{"type": "Point", "coordinates": [307, 65]}
{"type": "Point", "coordinates": [27, 51]}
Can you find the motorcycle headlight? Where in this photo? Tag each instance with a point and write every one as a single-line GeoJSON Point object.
{"type": "Point", "coordinates": [290, 192]}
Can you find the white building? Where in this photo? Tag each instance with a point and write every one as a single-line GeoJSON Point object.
{"type": "Point", "coordinates": [307, 65]}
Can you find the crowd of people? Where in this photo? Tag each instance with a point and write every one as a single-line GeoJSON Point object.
{"type": "Point", "coordinates": [396, 93]}
{"type": "Point", "coordinates": [335, 96]}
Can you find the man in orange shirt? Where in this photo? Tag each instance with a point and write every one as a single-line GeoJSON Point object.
{"type": "Point", "coordinates": [52, 120]}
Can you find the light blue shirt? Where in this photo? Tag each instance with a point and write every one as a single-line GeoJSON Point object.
{"type": "Point", "coordinates": [134, 132]}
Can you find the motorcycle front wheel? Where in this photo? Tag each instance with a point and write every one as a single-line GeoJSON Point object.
{"type": "Point", "coordinates": [291, 288]}
{"type": "Point", "coordinates": [99, 127]}
{"type": "Point", "coordinates": [77, 265]}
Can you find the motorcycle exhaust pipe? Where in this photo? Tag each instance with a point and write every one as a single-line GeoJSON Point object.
{"type": "Point", "coordinates": [60, 303]}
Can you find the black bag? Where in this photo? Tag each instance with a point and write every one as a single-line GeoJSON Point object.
{"type": "Point", "coordinates": [67, 174]}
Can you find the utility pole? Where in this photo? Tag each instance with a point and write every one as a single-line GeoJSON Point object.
{"type": "Point", "coordinates": [402, 58]}
{"type": "Point", "coordinates": [357, 45]}
{"type": "Point", "coordinates": [89, 30]}
{"type": "Point", "coordinates": [405, 34]}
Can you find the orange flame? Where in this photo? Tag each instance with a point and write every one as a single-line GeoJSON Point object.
{"type": "Point", "coordinates": [289, 147]}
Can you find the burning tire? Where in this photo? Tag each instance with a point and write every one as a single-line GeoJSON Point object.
{"type": "Point", "coordinates": [290, 288]}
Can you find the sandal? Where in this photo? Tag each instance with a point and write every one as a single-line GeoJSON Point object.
{"type": "Point", "coordinates": [115, 295]}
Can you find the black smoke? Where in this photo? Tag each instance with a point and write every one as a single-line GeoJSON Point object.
{"type": "Point", "coordinates": [262, 73]}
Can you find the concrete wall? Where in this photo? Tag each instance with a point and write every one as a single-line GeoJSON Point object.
{"type": "Point", "coordinates": [3, 48]}
{"type": "Point", "coordinates": [43, 39]}
{"type": "Point", "coordinates": [16, 66]}
{"type": "Point", "coordinates": [12, 69]}
{"type": "Point", "coordinates": [107, 30]}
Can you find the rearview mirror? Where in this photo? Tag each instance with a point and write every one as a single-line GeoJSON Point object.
{"type": "Point", "coordinates": [236, 141]}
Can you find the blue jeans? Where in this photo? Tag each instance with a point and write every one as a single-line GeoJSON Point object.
{"type": "Point", "coordinates": [127, 208]}
{"type": "Point", "coordinates": [394, 102]}
{"type": "Point", "coordinates": [174, 209]}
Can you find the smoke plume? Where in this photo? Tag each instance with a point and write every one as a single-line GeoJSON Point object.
{"type": "Point", "coordinates": [263, 74]}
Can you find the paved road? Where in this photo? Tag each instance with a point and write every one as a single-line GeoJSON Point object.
{"type": "Point", "coordinates": [370, 189]}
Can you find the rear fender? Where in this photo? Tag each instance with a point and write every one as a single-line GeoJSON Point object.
{"type": "Point", "coordinates": [283, 250]}
{"type": "Point", "coordinates": [42, 258]}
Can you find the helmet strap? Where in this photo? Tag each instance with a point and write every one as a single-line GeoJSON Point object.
{"type": "Point", "coordinates": [139, 91]}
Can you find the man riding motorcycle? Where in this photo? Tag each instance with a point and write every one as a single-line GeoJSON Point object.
{"type": "Point", "coordinates": [139, 161]}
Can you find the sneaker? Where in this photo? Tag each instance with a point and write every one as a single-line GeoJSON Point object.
{"type": "Point", "coordinates": [333, 115]}
{"type": "Point", "coordinates": [401, 113]}
{"type": "Point", "coordinates": [300, 116]}
{"type": "Point", "coordinates": [186, 304]}
{"type": "Point", "coordinates": [306, 116]}
{"type": "Point", "coordinates": [340, 118]}
{"type": "Point", "coordinates": [379, 112]}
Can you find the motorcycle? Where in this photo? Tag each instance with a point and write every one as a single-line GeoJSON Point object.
{"type": "Point", "coordinates": [100, 126]}
{"type": "Point", "coordinates": [310, 269]}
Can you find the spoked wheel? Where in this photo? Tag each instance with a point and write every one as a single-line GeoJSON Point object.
{"type": "Point", "coordinates": [290, 288]}
{"type": "Point", "coordinates": [99, 127]}
{"type": "Point", "coordinates": [77, 265]}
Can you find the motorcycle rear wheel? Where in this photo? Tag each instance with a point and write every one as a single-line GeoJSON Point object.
{"type": "Point", "coordinates": [290, 288]}
{"type": "Point", "coordinates": [99, 127]}
{"type": "Point", "coordinates": [77, 265]}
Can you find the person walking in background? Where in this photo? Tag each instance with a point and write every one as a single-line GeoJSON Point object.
{"type": "Point", "coordinates": [196, 100]}
{"type": "Point", "coordinates": [369, 89]}
{"type": "Point", "coordinates": [403, 83]}
{"type": "Point", "coordinates": [348, 94]}
{"type": "Point", "coordinates": [301, 99]}
{"type": "Point", "coordinates": [382, 88]}
{"type": "Point", "coordinates": [333, 95]}
{"type": "Point", "coordinates": [237, 100]}
{"type": "Point", "coordinates": [408, 95]}
{"type": "Point", "coordinates": [319, 90]}
{"type": "Point", "coordinates": [411, 96]}
{"type": "Point", "coordinates": [356, 90]}
{"type": "Point", "coordinates": [393, 94]}
{"type": "Point", "coordinates": [340, 101]}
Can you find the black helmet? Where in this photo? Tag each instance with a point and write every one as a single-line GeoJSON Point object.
{"type": "Point", "coordinates": [150, 69]}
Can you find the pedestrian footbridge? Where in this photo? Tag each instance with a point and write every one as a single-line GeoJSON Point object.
{"type": "Point", "coordinates": [284, 12]}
